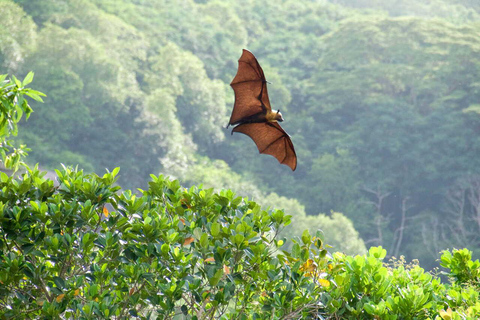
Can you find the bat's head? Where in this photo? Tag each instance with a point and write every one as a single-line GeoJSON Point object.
{"type": "Point", "coordinates": [278, 116]}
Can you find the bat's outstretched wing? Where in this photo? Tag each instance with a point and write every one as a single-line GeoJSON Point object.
{"type": "Point", "coordinates": [250, 87]}
{"type": "Point", "coordinates": [271, 139]}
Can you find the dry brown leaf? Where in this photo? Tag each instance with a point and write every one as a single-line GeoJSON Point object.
{"type": "Point", "coordinates": [188, 241]}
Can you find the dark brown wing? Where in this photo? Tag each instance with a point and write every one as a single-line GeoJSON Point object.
{"type": "Point", "coordinates": [250, 87]}
{"type": "Point", "coordinates": [271, 139]}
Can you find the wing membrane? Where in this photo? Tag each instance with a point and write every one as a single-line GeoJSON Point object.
{"type": "Point", "coordinates": [250, 87]}
{"type": "Point", "coordinates": [271, 139]}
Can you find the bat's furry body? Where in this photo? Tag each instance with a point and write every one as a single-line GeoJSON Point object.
{"type": "Point", "coordinates": [252, 114]}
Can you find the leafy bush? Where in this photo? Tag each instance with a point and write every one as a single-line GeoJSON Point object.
{"type": "Point", "coordinates": [367, 288]}
{"type": "Point", "coordinates": [166, 251]}
{"type": "Point", "coordinates": [13, 106]}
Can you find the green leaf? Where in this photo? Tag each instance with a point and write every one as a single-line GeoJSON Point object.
{"type": "Point", "coordinates": [235, 202]}
{"type": "Point", "coordinates": [28, 79]}
{"type": "Point", "coordinates": [35, 95]}
{"type": "Point", "coordinates": [239, 238]}
{"type": "Point", "coordinates": [3, 177]}
{"type": "Point", "coordinates": [296, 250]}
{"type": "Point", "coordinates": [369, 308]}
{"type": "Point", "coordinates": [204, 240]}
{"type": "Point", "coordinates": [19, 113]}
{"type": "Point", "coordinates": [94, 290]}
{"type": "Point", "coordinates": [85, 239]}
{"type": "Point", "coordinates": [215, 229]}
{"type": "Point", "coordinates": [17, 82]}
{"type": "Point", "coordinates": [59, 282]}
{"type": "Point", "coordinates": [197, 233]}
{"type": "Point", "coordinates": [165, 248]}
{"type": "Point", "coordinates": [216, 278]}
{"type": "Point", "coordinates": [306, 237]}
{"type": "Point", "coordinates": [378, 252]}
{"type": "Point", "coordinates": [115, 171]}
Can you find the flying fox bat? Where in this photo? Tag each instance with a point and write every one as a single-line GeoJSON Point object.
{"type": "Point", "coordinates": [252, 114]}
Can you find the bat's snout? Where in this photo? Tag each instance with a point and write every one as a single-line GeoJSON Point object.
{"type": "Point", "coordinates": [278, 116]}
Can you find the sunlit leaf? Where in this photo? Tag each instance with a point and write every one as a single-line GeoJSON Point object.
{"type": "Point", "coordinates": [34, 96]}
{"type": "Point", "coordinates": [324, 282]}
{"type": "Point", "coordinates": [446, 315]}
{"type": "Point", "coordinates": [28, 78]}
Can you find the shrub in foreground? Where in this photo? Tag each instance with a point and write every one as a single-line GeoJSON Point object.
{"type": "Point", "coordinates": [365, 287]}
{"type": "Point", "coordinates": [83, 249]}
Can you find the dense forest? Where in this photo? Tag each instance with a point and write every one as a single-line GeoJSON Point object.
{"type": "Point", "coordinates": [381, 99]}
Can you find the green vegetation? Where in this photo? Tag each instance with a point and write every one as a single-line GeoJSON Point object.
{"type": "Point", "coordinates": [84, 248]}
{"type": "Point", "coordinates": [381, 98]}
{"type": "Point", "coordinates": [13, 106]}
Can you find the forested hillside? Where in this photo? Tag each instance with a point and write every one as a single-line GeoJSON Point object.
{"type": "Point", "coordinates": [381, 98]}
